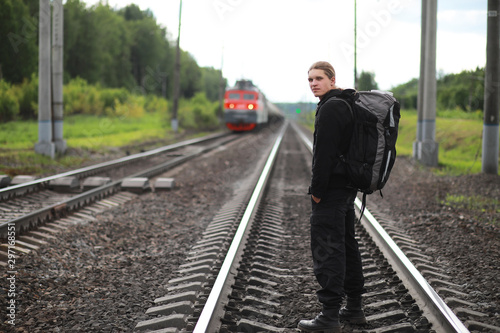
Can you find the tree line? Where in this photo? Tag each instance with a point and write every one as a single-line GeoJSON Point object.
{"type": "Point", "coordinates": [124, 48]}
{"type": "Point", "coordinates": [128, 49]}
{"type": "Point", "coordinates": [462, 91]}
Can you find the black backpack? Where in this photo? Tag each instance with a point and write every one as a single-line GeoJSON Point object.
{"type": "Point", "coordinates": [372, 150]}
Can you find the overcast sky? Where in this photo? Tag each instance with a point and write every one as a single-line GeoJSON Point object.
{"type": "Point", "coordinates": [273, 42]}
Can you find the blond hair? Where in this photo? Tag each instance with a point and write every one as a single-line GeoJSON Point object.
{"type": "Point", "coordinates": [325, 66]}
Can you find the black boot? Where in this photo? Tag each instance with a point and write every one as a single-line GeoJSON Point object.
{"type": "Point", "coordinates": [327, 321]}
{"type": "Point", "coordinates": [353, 312]}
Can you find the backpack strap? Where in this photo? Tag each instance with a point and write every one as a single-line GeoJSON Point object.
{"type": "Point", "coordinates": [343, 100]}
{"type": "Point", "coordinates": [363, 203]}
{"type": "Point", "coordinates": [363, 206]}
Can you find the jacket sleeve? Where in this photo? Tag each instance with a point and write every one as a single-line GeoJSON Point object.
{"type": "Point", "coordinates": [332, 119]}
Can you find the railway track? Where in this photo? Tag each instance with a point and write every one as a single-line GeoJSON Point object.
{"type": "Point", "coordinates": [27, 207]}
{"type": "Point", "coordinates": [241, 276]}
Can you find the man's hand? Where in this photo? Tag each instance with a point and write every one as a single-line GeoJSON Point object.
{"type": "Point", "coordinates": [316, 200]}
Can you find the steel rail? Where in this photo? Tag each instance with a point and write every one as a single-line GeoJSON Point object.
{"type": "Point", "coordinates": [433, 305]}
{"type": "Point", "coordinates": [208, 320]}
{"type": "Point", "coordinates": [20, 189]}
{"type": "Point", "coordinates": [47, 213]}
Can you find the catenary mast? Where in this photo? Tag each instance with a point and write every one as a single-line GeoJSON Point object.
{"type": "Point", "coordinates": [491, 91]}
{"type": "Point", "coordinates": [45, 146]}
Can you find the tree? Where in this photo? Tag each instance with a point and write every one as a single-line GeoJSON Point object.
{"type": "Point", "coordinates": [81, 51]}
{"type": "Point", "coordinates": [147, 49]}
{"type": "Point", "coordinates": [211, 82]}
{"type": "Point", "coordinates": [190, 76]}
{"type": "Point", "coordinates": [18, 37]}
{"type": "Point", "coordinates": [407, 94]}
{"type": "Point", "coordinates": [366, 81]}
{"type": "Point", "coordinates": [132, 13]}
{"type": "Point", "coordinates": [113, 58]}
{"type": "Point", "coordinates": [464, 90]}
{"type": "Point", "coordinates": [113, 48]}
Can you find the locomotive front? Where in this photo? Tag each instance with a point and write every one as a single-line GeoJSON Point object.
{"type": "Point", "coordinates": [244, 107]}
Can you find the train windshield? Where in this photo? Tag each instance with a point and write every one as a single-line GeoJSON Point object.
{"type": "Point", "coordinates": [249, 97]}
{"type": "Point", "coordinates": [234, 96]}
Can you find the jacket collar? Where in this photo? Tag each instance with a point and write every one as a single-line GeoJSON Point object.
{"type": "Point", "coordinates": [348, 94]}
{"type": "Point", "coordinates": [331, 93]}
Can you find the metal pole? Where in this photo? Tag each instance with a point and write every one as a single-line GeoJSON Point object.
{"type": "Point", "coordinates": [420, 100]}
{"type": "Point", "coordinates": [57, 75]}
{"type": "Point", "coordinates": [491, 91]}
{"type": "Point", "coordinates": [428, 147]}
{"type": "Point", "coordinates": [45, 146]}
{"type": "Point", "coordinates": [177, 73]}
{"type": "Point", "coordinates": [222, 87]}
{"type": "Point", "coordinates": [355, 48]}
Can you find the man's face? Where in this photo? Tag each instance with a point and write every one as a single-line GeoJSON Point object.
{"type": "Point", "coordinates": [319, 83]}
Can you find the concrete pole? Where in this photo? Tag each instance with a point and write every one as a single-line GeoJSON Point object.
{"type": "Point", "coordinates": [45, 146]}
{"type": "Point", "coordinates": [222, 87]}
{"type": "Point", "coordinates": [428, 147]}
{"type": "Point", "coordinates": [177, 75]}
{"type": "Point", "coordinates": [57, 75]}
{"type": "Point", "coordinates": [492, 91]}
{"type": "Point", "coordinates": [421, 80]}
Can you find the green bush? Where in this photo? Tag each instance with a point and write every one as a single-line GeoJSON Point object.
{"type": "Point", "coordinates": [156, 104]}
{"type": "Point", "coordinates": [198, 113]}
{"type": "Point", "coordinates": [110, 96]}
{"type": "Point", "coordinates": [81, 98]}
{"type": "Point", "coordinates": [133, 107]}
{"type": "Point", "coordinates": [26, 94]}
{"type": "Point", "coordinates": [9, 107]}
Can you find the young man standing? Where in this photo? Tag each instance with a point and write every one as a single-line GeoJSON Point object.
{"type": "Point", "coordinates": [336, 257]}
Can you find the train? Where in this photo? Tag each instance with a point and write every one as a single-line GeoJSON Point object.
{"type": "Point", "coordinates": [246, 107]}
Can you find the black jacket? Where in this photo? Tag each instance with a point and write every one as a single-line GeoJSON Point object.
{"type": "Point", "coordinates": [333, 126]}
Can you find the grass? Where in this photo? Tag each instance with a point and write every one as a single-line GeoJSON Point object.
{"type": "Point", "coordinates": [407, 133]}
{"type": "Point", "coordinates": [97, 133]}
{"type": "Point", "coordinates": [85, 133]}
{"type": "Point", "coordinates": [459, 139]}
{"type": "Point", "coordinates": [476, 203]}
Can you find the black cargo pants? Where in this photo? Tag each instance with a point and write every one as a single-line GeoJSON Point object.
{"type": "Point", "coordinates": [336, 257]}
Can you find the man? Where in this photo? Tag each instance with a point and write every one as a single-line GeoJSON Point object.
{"type": "Point", "coordinates": [336, 257]}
